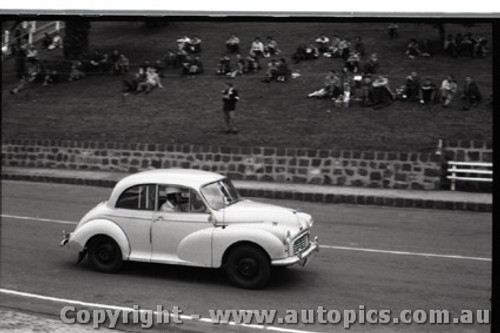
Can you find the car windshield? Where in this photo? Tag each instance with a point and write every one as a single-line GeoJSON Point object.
{"type": "Point", "coordinates": [220, 194]}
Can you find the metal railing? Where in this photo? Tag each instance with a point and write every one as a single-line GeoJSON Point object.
{"type": "Point", "coordinates": [34, 30]}
{"type": "Point", "coordinates": [469, 171]}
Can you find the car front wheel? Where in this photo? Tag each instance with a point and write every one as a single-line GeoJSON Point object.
{"type": "Point", "coordinates": [104, 254]}
{"type": "Point", "coordinates": [248, 267]}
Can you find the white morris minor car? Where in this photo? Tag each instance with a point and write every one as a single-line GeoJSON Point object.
{"type": "Point", "coordinates": [195, 218]}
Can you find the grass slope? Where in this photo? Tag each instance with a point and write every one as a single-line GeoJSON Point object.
{"type": "Point", "coordinates": [275, 114]}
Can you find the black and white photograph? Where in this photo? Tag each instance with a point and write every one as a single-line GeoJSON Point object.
{"type": "Point", "coordinates": [255, 170]}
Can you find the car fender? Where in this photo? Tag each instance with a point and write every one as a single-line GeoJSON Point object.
{"type": "Point", "coordinates": [83, 233]}
{"type": "Point", "coordinates": [225, 237]}
{"type": "Point", "coordinates": [196, 247]}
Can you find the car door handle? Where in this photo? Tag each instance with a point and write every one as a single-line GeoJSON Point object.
{"type": "Point", "coordinates": [158, 219]}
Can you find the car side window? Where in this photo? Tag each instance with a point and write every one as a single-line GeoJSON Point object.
{"type": "Point", "coordinates": [196, 204]}
{"type": "Point", "coordinates": [140, 197]}
{"type": "Point", "coordinates": [174, 198]}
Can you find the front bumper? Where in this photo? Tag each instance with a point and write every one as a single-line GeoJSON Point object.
{"type": "Point", "coordinates": [302, 258]}
{"type": "Point", "coordinates": [66, 236]}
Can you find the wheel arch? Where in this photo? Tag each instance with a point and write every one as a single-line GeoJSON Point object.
{"type": "Point", "coordinates": [237, 244]}
{"type": "Point", "coordinates": [225, 240]}
{"type": "Point", "coordinates": [101, 227]}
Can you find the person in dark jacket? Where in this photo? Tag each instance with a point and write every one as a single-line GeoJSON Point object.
{"type": "Point", "coordinates": [229, 99]}
{"type": "Point", "coordinates": [471, 95]}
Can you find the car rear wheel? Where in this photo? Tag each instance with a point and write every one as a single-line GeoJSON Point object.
{"type": "Point", "coordinates": [104, 254]}
{"type": "Point", "coordinates": [248, 267]}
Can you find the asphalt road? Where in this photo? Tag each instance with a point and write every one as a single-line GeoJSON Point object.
{"type": "Point", "coordinates": [371, 258]}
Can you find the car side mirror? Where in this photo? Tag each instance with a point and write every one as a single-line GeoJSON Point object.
{"type": "Point", "coordinates": [212, 219]}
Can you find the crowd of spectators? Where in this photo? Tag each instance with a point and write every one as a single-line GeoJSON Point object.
{"type": "Point", "coordinates": [468, 45]}
{"type": "Point", "coordinates": [358, 78]}
{"type": "Point", "coordinates": [428, 92]}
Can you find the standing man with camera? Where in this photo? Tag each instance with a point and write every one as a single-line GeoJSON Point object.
{"type": "Point", "coordinates": [230, 98]}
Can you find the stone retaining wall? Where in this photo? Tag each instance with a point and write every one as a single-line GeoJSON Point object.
{"type": "Point", "coordinates": [468, 151]}
{"type": "Point", "coordinates": [327, 167]}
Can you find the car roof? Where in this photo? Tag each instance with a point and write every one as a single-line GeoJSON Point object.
{"type": "Point", "coordinates": [185, 177]}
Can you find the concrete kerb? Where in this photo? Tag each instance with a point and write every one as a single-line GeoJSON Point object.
{"type": "Point", "coordinates": [448, 200]}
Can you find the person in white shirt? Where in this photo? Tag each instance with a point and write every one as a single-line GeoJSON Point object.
{"type": "Point", "coordinates": [257, 48]}
{"type": "Point", "coordinates": [172, 204]}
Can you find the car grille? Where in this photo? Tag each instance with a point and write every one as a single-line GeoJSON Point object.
{"type": "Point", "coordinates": [301, 244]}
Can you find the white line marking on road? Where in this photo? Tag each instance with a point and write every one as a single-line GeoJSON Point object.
{"type": "Point", "coordinates": [37, 219]}
{"type": "Point", "coordinates": [194, 317]}
{"type": "Point", "coordinates": [331, 247]}
{"type": "Point", "coordinates": [404, 253]}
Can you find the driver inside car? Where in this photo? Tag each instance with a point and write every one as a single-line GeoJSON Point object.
{"type": "Point", "coordinates": [174, 200]}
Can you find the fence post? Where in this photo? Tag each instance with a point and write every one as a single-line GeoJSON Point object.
{"type": "Point", "coordinates": [453, 180]}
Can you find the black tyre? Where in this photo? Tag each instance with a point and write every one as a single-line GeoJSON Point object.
{"type": "Point", "coordinates": [104, 254]}
{"type": "Point", "coordinates": [248, 267]}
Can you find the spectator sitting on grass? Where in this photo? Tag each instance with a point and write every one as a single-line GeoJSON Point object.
{"type": "Point", "coordinates": [194, 45]}
{"type": "Point", "coordinates": [382, 93]}
{"type": "Point", "coordinates": [224, 66]}
{"type": "Point", "coordinates": [352, 63]}
{"type": "Point", "coordinates": [131, 82]}
{"type": "Point", "coordinates": [305, 52]}
{"type": "Point", "coordinates": [331, 87]}
{"type": "Point", "coordinates": [57, 42]}
{"type": "Point", "coordinates": [465, 45]}
{"type": "Point", "coordinates": [46, 40]}
{"type": "Point", "coordinates": [412, 49]}
{"type": "Point", "coordinates": [427, 92]}
{"type": "Point", "coordinates": [342, 101]}
{"type": "Point", "coordinates": [105, 63]}
{"type": "Point", "coordinates": [196, 67]}
{"type": "Point", "coordinates": [333, 48]}
{"type": "Point", "coordinates": [181, 56]}
{"type": "Point", "coordinates": [448, 90]}
{"type": "Point", "coordinates": [252, 64]}
{"type": "Point", "coordinates": [412, 87]}
{"type": "Point", "coordinates": [322, 43]}
{"type": "Point", "coordinates": [471, 94]}
{"type": "Point", "coordinates": [272, 71]}
{"type": "Point", "coordinates": [152, 80]}
{"type": "Point", "coordinates": [144, 67]}
{"type": "Point", "coordinates": [122, 65]}
{"type": "Point", "coordinates": [271, 48]}
{"type": "Point", "coordinates": [182, 43]}
{"type": "Point", "coordinates": [284, 73]}
{"type": "Point", "coordinates": [344, 49]}
{"type": "Point", "coordinates": [94, 62]}
{"type": "Point", "coordinates": [233, 44]}
{"type": "Point", "coordinates": [241, 66]}
{"type": "Point", "coordinates": [76, 71]}
{"type": "Point", "coordinates": [31, 54]}
{"type": "Point", "coordinates": [186, 65]}
{"type": "Point", "coordinates": [479, 46]}
{"type": "Point", "coordinates": [372, 65]}
{"type": "Point", "coordinates": [257, 48]}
